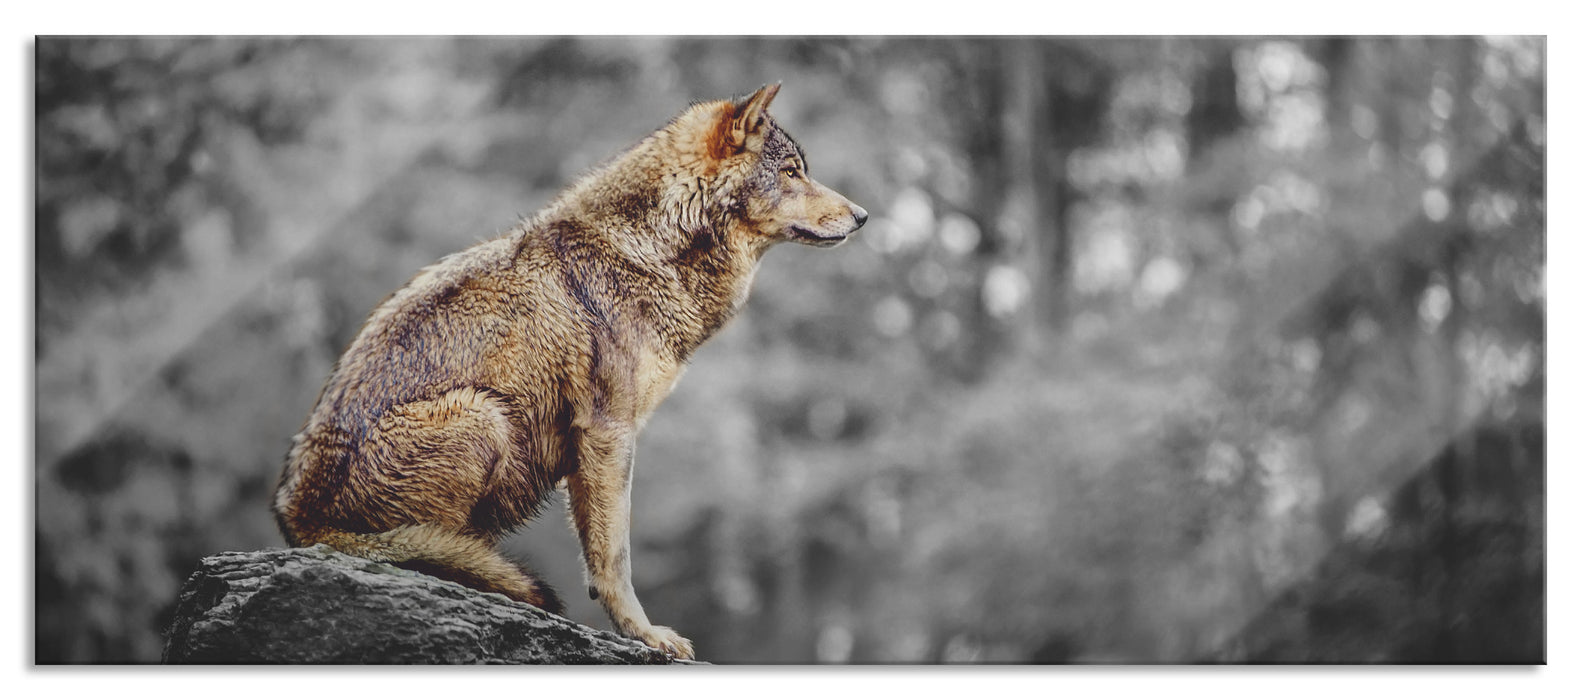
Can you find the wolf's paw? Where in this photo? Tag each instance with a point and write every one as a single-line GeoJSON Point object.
{"type": "Point", "coordinates": [666, 640]}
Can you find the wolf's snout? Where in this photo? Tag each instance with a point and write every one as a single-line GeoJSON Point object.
{"type": "Point", "coordinates": [860, 214]}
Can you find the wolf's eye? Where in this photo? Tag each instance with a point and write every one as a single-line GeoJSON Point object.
{"type": "Point", "coordinates": [792, 172]}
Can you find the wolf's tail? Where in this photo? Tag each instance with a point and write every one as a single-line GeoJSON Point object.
{"type": "Point", "coordinates": [429, 549]}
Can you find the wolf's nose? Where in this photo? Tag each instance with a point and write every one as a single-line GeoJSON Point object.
{"type": "Point", "coordinates": [860, 214]}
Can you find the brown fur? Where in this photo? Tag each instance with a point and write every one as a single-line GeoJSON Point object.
{"type": "Point", "coordinates": [535, 358]}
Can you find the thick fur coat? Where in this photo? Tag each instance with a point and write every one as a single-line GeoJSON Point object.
{"type": "Point", "coordinates": [533, 360]}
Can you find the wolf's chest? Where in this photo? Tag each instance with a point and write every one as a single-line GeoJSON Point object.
{"type": "Point", "coordinates": [656, 377]}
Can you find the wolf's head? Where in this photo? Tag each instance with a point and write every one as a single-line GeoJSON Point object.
{"type": "Point", "coordinates": [721, 179]}
{"type": "Point", "coordinates": [744, 177]}
{"type": "Point", "coordinates": [775, 195]}
{"type": "Point", "coordinates": [692, 208]}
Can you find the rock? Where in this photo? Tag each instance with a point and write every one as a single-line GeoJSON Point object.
{"type": "Point", "coordinates": [318, 606]}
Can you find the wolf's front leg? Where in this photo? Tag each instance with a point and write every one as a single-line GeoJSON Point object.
{"type": "Point", "coordinates": [601, 509]}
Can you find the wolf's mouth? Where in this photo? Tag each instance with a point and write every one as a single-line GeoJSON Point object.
{"type": "Point", "coordinates": [811, 237]}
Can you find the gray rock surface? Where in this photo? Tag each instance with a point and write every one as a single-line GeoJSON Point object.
{"type": "Point", "coordinates": [318, 606]}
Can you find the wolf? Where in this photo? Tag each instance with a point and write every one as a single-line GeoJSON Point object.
{"type": "Point", "coordinates": [530, 362]}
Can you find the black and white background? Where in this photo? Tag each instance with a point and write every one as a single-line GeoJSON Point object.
{"type": "Point", "coordinates": [1154, 350]}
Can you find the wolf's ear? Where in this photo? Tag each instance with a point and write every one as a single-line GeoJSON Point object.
{"type": "Point", "coordinates": [747, 117]}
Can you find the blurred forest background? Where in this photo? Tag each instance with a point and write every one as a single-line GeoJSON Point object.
{"type": "Point", "coordinates": [1154, 350]}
